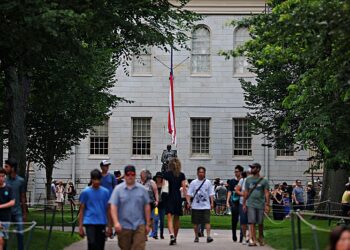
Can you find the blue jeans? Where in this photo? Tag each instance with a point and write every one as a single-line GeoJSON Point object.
{"type": "Point", "coordinates": [158, 220]}
{"type": "Point", "coordinates": [19, 227]}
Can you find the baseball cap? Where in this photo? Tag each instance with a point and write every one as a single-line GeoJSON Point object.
{"type": "Point", "coordinates": [255, 165]}
{"type": "Point", "coordinates": [129, 168]}
{"type": "Point", "coordinates": [105, 163]}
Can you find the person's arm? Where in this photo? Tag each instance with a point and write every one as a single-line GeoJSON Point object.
{"type": "Point", "coordinates": [8, 204]}
{"type": "Point", "coordinates": [238, 190]}
{"type": "Point", "coordinates": [115, 219]}
{"type": "Point", "coordinates": [267, 199]}
{"type": "Point", "coordinates": [229, 193]}
{"type": "Point", "coordinates": [148, 217]}
{"type": "Point", "coordinates": [184, 188]}
{"type": "Point", "coordinates": [155, 191]}
{"type": "Point", "coordinates": [81, 216]}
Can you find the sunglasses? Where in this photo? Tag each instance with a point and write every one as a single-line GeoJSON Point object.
{"type": "Point", "coordinates": [130, 174]}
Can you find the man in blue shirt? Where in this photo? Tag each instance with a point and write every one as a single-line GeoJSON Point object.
{"type": "Point", "coordinates": [131, 212]}
{"type": "Point", "coordinates": [19, 210]}
{"type": "Point", "coordinates": [108, 180]}
{"type": "Point", "coordinates": [298, 196]}
{"type": "Point", "coordinates": [93, 212]}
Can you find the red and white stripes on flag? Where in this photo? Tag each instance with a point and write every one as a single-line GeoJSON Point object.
{"type": "Point", "coordinates": [171, 113]}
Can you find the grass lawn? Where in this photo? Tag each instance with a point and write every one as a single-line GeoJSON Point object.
{"type": "Point", "coordinates": [277, 234]}
{"type": "Point", "coordinates": [59, 240]}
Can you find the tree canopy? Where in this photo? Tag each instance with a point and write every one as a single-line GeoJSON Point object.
{"type": "Point", "coordinates": [300, 55]}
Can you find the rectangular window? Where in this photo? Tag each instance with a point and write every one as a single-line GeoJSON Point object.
{"type": "Point", "coordinates": [283, 152]}
{"type": "Point", "coordinates": [200, 136]}
{"type": "Point", "coordinates": [141, 64]}
{"type": "Point", "coordinates": [99, 139]}
{"type": "Point", "coordinates": [141, 136]}
{"type": "Point", "coordinates": [242, 137]}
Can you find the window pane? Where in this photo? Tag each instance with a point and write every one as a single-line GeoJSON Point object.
{"type": "Point", "coordinates": [241, 64]}
{"type": "Point", "coordinates": [141, 140]}
{"type": "Point", "coordinates": [242, 140]}
{"type": "Point", "coordinates": [200, 136]}
{"type": "Point", "coordinates": [99, 140]}
{"type": "Point", "coordinates": [141, 64]}
{"type": "Point", "coordinates": [200, 58]}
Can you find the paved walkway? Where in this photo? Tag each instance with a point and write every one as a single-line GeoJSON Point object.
{"type": "Point", "coordinates": [222, 241]}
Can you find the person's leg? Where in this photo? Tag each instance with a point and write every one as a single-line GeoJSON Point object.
{"type": "Point", "coordinates": [170, 224]}
{"type": "Point", "coordinates": [90, 232]}
{"type": "Point", "coordinates": [155, 225]}
{"type": "Point", "coordinates": [176, 225]}
{"type": "Point", "coordinates": [100, 236]}
{"type": "Point", "coordinates": [19, 227]}
{"type": "Point", "coordinates": [125, 238]}
{"type": "Point", "coordinates": [195, 229]}
{"type": "Point", "coordinates": [252, 232]}
{"type": "Point", "coordinates": [252, 220]}
{"type": "Point", "coordinates": [138, 239]}
{"type": "Point", "coordinates": [234, 221]}
{"type": "Point", "coordinates": [161, 224]}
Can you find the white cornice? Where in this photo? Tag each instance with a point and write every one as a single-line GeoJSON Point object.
{"type": "Point", "coordinates": [223, 7]}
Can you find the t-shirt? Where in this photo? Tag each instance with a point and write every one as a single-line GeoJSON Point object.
{"type": "Point", "coordinates": [299, 194]}
{"type": "Point", "coordinates": [131, 204]}
{"type": "Point", "coordinates": [231, 187]}
{"type": "Point", "coordinates": [221, 192]}
{"type": "Point", "coordinates": [96, 203]}
{"type": "Point", "coordinates": [346, 197]}
{"type": "Point", "coordinates": [18, 187]}
{"type": "Point", "coordinates": [202, 199]}
{"type": "Point", "coordinates": [108, 181]}
{"type": "Point", "coordinates": [241, 183]}
{"type": "Point", "coordinates": [6, 195]}
{"type": "Point", "coordinates": [257, 197]}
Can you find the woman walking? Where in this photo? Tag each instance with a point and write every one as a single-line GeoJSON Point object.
{"type": "Point", "coordinates": [173, 203]}
{"type": "Point", "coordinates": [159, 218]}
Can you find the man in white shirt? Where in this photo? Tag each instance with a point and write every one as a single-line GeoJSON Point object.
{"type": "Point", "coordinates": [202, 193]}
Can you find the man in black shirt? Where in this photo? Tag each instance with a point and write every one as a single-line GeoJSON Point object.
{"type": "Point", "coordinates": [233, 200]}
{"type": "Point", "coordinates": [7, 200]}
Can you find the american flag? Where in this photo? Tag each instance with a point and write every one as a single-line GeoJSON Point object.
{"type": "Point", "coordinates": [171, 113]}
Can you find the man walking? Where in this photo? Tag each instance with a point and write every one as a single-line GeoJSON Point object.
{"type": "Point", "coordinates": [298, 196]}
{"type": "Point", "coordinates": [93, 212]}
{"type": "Point", "coordinates": [256, 201]}
{"type": "Point", "coordinates": [131, 212]}
{"type": "Point", "coordinates": [18, 211]}
{"type": "Point", "coordinates": [108, 180]}
{"type": "Point", "coordinates": [202, 193]}
{"type": "Point", "coordinates": [233, 201]}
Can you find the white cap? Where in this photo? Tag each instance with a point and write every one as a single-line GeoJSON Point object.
{"type": "Point", "coordinates": [105, 163]}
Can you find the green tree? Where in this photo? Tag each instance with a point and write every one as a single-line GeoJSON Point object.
{"type": "Point", "coordinates": [300, 55]}
{"type": "Point", "coordinates": [34, 29]}
{"type": "Point", "coordinates": [69, 96]}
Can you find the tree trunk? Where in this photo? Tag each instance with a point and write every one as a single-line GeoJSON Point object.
{"type": "Point", "coordinates": [48, 171]}
{"type": "Point", "coordinates": [16, 89]}
{"type": "Point", "coordinates": [332, 189]}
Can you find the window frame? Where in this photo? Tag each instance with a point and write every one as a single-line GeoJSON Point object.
{"type": "Point", "coordinates": [235, 59]}
{"type": "Point", "coordinates": [200, 137]}
{"type": "Point", "coordinates": [92, 155]}
{"type": "Point", "coordinates": [250, 137]}
{"type": "Point", "coordinates": [133, 119]}
{"type": "Point", "coordinates": [201, 74]}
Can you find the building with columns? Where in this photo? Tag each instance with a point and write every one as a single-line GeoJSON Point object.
{"type": "Point", "coordinates": [212, 129]}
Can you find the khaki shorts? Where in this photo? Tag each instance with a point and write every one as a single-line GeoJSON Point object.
{"type": "Point", "coordinates": [132, 239]}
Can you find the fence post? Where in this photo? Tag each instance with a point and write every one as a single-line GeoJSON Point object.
{"type": "Point", "coordinates": [329, 213]}
{"type": "Point", "coordinates": [62, 212]}
{"type": "Point", "coordinates": [299, 231]}
{"type": "Point", "coordinates": [50, 231]}
{"type": "Point", "coordinates": [45, 207]}
{"type": "Point", "coordinates": [314, 232]}
{"type": "Point", "coordinates": [293, 230]}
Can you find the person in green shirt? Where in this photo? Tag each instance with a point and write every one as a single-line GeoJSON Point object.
{"type": "Point", "coordinates": [256, 201]}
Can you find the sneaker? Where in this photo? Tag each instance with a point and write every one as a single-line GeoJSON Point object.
{"type": "Point", "coordinates": [261, 242]}
{"type": "Point", "coordinates": [244, 241]}
{"type": "Point", "coordinates": [196, 240]}
{"type": "Point", "coordinates": [209, 239]}
{"type": "Point", "coordinates": [252, 243]}
{"type": "Point", "coordinates": [172, 240]}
